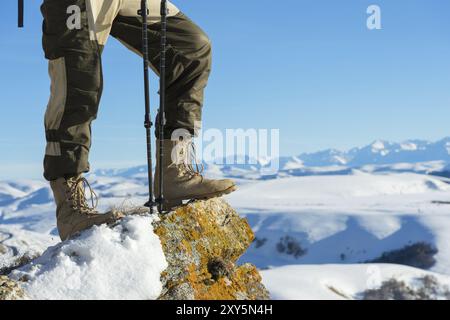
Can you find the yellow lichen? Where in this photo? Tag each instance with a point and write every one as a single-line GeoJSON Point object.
{"type": "Point", "coordinates": [193, 235]}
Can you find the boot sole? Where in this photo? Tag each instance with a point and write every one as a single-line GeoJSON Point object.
{"type": "Point", "coordinates": [172, 203]}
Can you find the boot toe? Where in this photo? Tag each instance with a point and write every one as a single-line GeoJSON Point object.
{"type": "Point", "coordinates": [221, 187]}
{"type": "Point", "coordinates": [225, 184]}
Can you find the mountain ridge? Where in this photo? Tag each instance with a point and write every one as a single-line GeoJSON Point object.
{"type": "Point", "coordinates": [413, 155]}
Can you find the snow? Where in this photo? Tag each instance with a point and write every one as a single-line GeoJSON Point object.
{"type": "Point", "coordinates": [419, 167]}
{"type": "Point", "coordinates": [314, 191]}
{"type": "Point", "coordinates": [294, 163]}
{"type": "Point", "coordinates": [447, 146]}
{"type": "Point", "coordinates": [378, 146]}
{"type": "Point", "coordinates": [408, 146]}
{"type": "Point", "coordinates": [124, 262]}
{"type": "Point", "coordinates": [340, 160]}
{"type": "Point", "coordinates": [337, 282]}
{"type": "Point", "coordinates": [439, 227]}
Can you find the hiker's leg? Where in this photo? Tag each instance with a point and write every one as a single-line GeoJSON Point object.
{"type": "Point", "coordinates": [188, 60]}
{"type": "Point", "coordinates": [73, 43]}
{"type": "Point", "coordinates": [74, 53]}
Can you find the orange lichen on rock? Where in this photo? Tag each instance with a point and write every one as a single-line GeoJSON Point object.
{"type": "Point", "coordinates": [202, 242]}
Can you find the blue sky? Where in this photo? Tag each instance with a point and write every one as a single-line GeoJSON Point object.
{"type": "Point", "coordinates": [310, 68]}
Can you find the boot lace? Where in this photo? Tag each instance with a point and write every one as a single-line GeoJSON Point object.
{"type": "Point", "coordinates": [189, 164]}
{"type": "Point", "coordinates": [78, 196]}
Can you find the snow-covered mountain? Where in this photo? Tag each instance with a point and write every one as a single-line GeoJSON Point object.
{"type": "Point", "coordinates": [381, 152]}
{"type": "Point", "coordinates": [417, 156]}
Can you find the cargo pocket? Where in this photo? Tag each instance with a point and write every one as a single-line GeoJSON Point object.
{"type": "Point", "coordinates": [56, 35]}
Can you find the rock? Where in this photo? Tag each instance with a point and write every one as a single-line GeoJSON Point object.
{"type": "Point", "coordinates": [202, 242]}
{"type": "Point", "coordinates": [17, 263]}
{"type": "Point", "coordinates": [10, 290]}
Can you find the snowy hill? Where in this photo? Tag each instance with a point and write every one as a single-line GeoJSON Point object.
{"type": "Point", "coordinates": [345, 219]}
{"type": "Point", "coordinates": [350, 282]}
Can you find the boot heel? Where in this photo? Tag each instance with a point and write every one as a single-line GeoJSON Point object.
{"type": "Point", "coordinates": [168, 205]}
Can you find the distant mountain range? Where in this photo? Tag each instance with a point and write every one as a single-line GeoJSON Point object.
{"type": "Point", "coordinates": [409, 156]}
{"type": "Point", "coordinates": [381, 152]}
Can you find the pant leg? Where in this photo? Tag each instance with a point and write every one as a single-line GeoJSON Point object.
{"type": "Point", "coordinates": [76, 80]}
{"type": "Point", "coordinates": [188, 62]}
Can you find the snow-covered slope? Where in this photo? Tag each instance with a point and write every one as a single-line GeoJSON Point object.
{"type": "Point", "coordinates": [345, 219]}
{"type": "Point", "coordinates": [342, 282]}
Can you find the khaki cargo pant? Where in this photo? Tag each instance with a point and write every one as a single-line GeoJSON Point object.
{"type": "Point", "coordinates": [75, 70]}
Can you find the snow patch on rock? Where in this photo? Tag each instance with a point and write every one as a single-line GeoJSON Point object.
{"type": "Point", "coordinates": [122, 262]}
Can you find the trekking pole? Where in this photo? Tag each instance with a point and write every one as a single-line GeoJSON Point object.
{"type": "Point", "coordinates": [20, 13]}
{"type": "Point", "coordinates": [147, 122]}
{"type": "Point", "coordinates": [162, 101]}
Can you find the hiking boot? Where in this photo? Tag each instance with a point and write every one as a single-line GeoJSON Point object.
{"type": "Point", "coordinates": [182, 175]}
{"type": "Point", "coordinates": [73, 213]}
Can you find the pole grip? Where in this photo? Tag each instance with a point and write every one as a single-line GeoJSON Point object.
{"type": "Point", "coordinates": [20, 6]}
{"type": "Point", "coordinates": [163, 11]}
